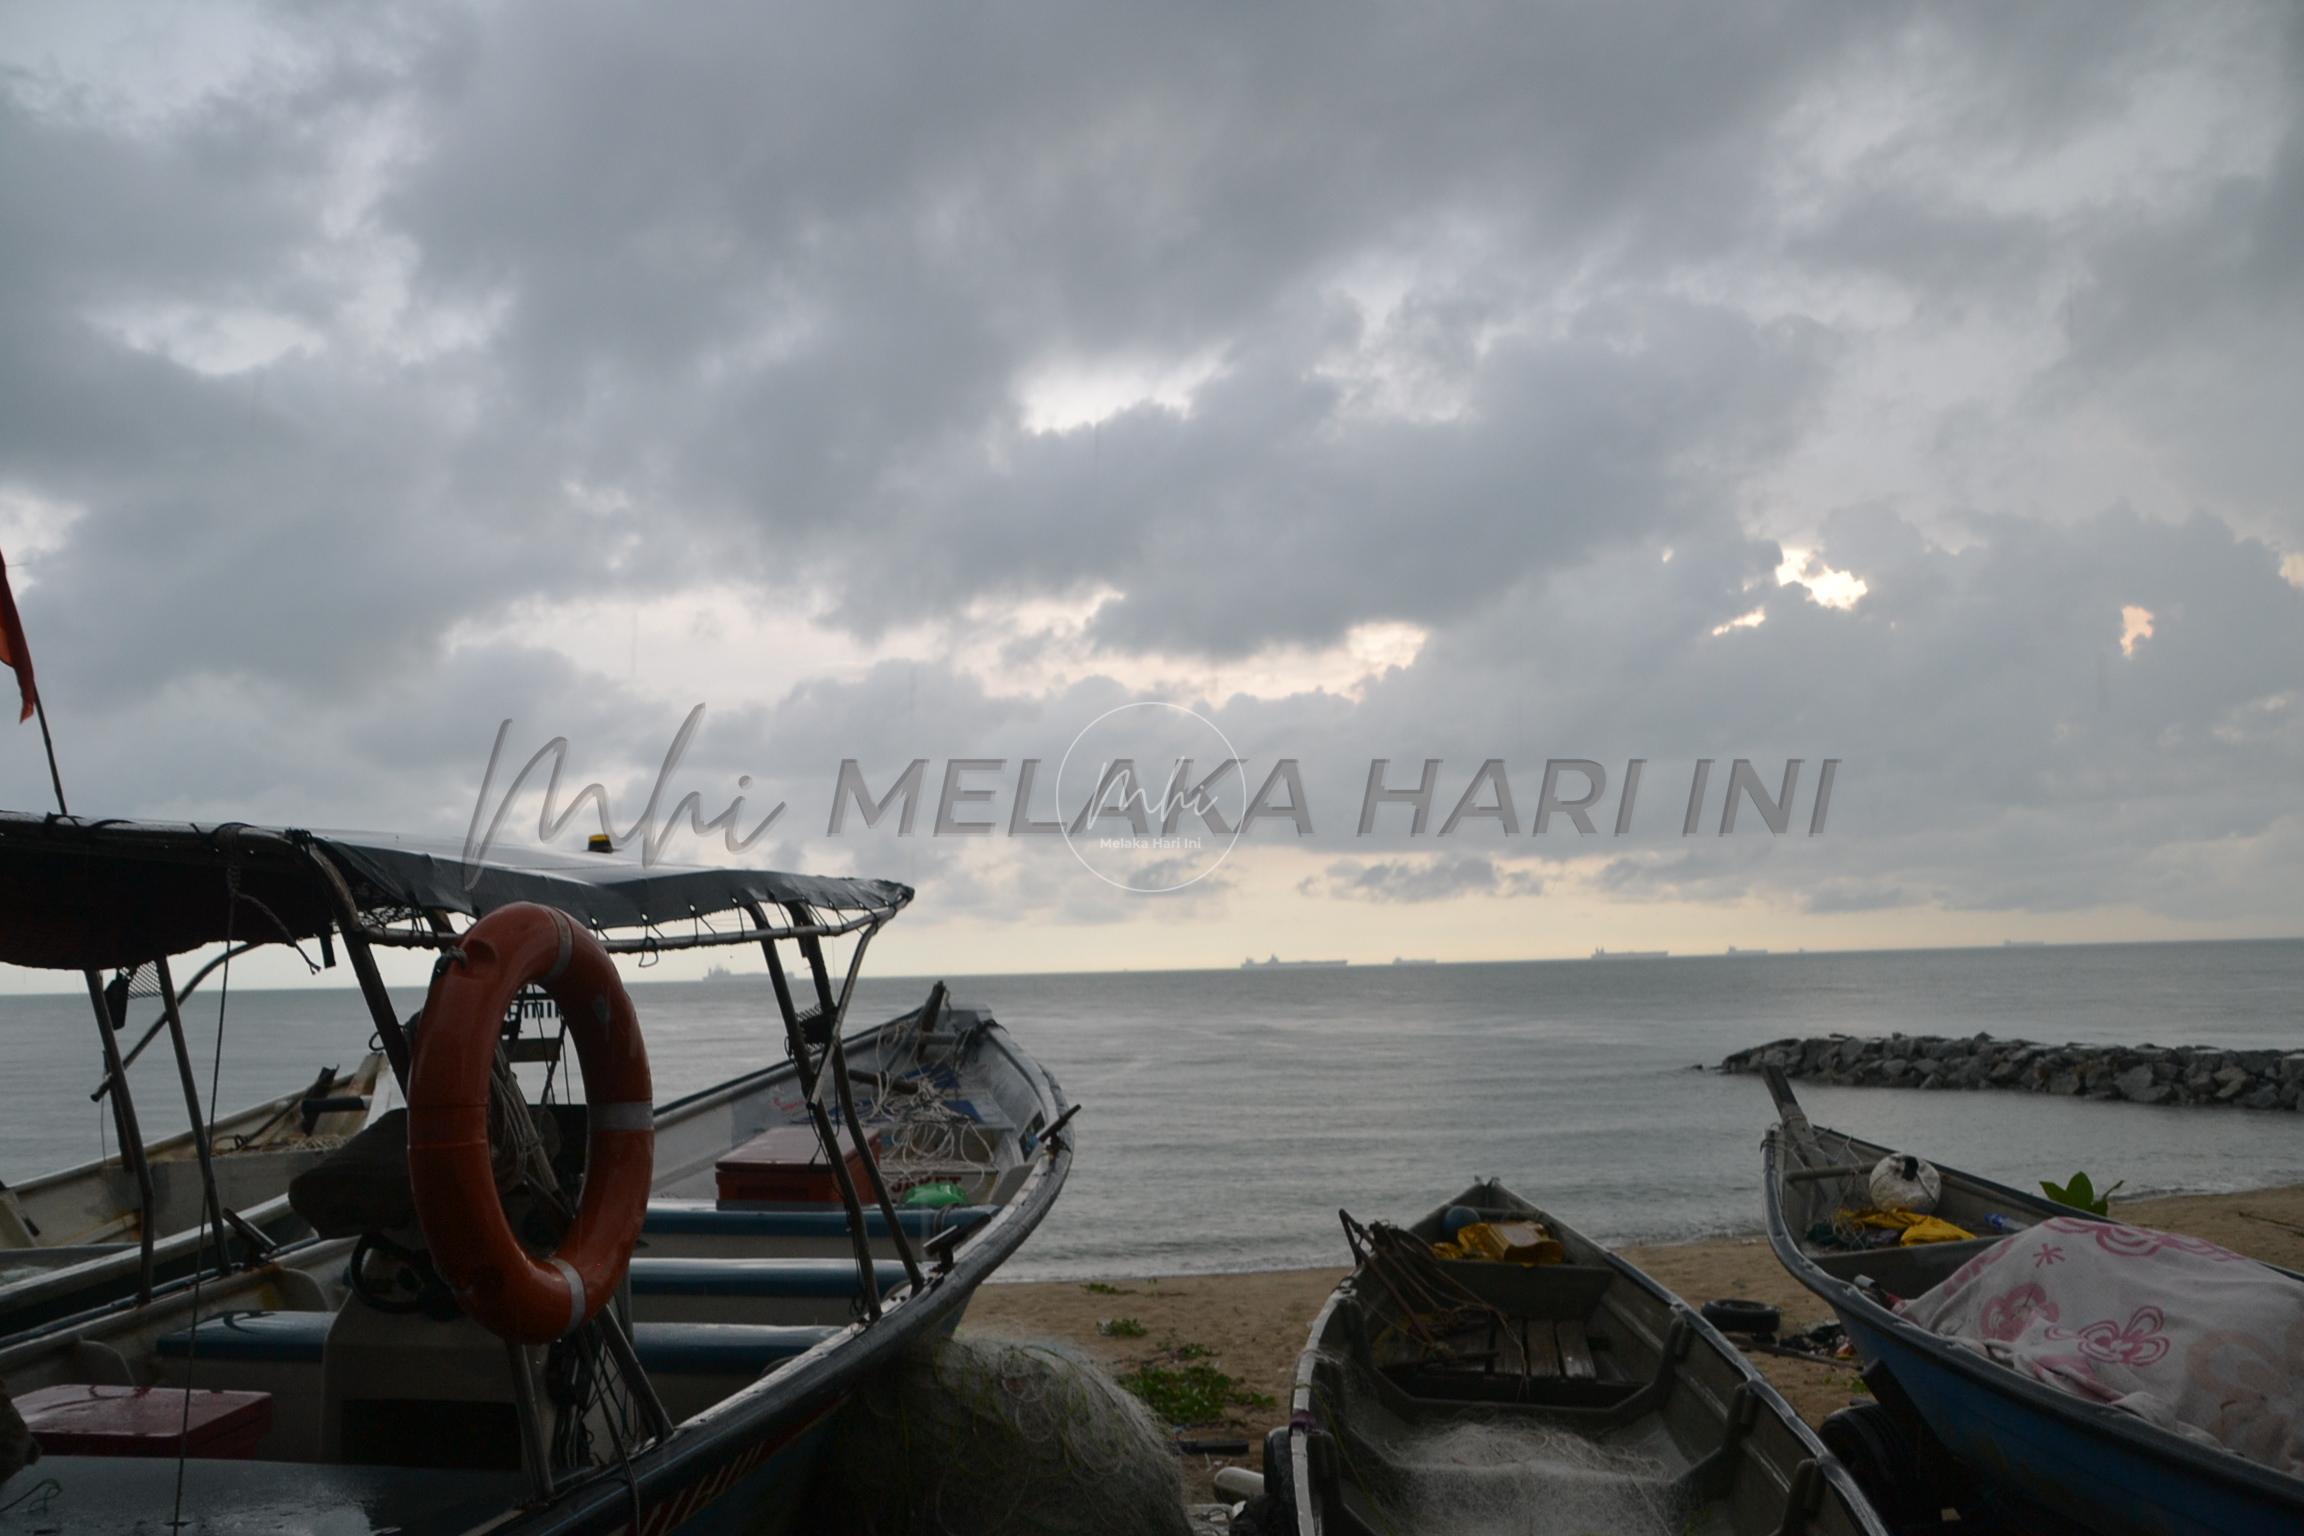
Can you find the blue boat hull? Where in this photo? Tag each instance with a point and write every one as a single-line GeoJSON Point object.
{"type": "Point", "coordinates": [2074, 1472]}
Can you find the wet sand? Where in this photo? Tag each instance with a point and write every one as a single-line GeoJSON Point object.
{"type": "Point", "coordinates": [1253, 1325]}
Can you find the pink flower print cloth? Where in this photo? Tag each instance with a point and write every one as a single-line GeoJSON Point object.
{"type": "Point", "coordinates": [2190, 1336]}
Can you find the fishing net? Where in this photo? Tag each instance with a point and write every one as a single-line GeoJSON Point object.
{"type": "Point", "coordinates": [982, 1437]}
{"type": "Point", "coordinates": [1488, 1475]}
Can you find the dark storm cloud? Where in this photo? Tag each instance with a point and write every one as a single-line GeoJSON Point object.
{"type": "Point", "coordinates": [1477, 315]}
{"type": "Point", "coordinates": [789, 281]}
{"type": "Point", "coordinates": [1999, 746]}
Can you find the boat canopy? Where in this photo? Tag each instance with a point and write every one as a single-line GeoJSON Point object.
{"type": "Point", "coordinates": [77, 894]}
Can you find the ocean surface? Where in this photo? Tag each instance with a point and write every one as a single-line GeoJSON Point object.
{"type": "Point", "coordinates": [1229, 1114]}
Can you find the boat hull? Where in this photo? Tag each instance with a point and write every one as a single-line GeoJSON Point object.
{"type": "Point", "coordinates": [2024, 1443]}
{"type": "Point", "coordinates": [90, 1224]}
{"type": "Point", "coordinates": [1635, 1366]}
{"type": "Point", "coordinates": [741, 1463]}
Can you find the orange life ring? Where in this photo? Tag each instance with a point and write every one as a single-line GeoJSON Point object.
{"type": "Point", "coordinates": [497, 1282]}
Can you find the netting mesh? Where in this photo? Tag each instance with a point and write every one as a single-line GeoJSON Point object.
{"type": "Point", "coordinates": [977, 1435]}
{"type": "Point", "coordinates": [1485, 1474]}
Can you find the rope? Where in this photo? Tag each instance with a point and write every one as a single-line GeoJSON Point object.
{"type": "Point", "coordinates": [45, 1489]}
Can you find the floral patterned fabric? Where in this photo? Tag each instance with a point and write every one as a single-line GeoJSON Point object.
{"type": "Point", "coordinates": [2193, 1337]}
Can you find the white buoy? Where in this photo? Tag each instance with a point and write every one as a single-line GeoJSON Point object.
{"type": "Point", "coordinates": [1903, 1182]}
{"type": "Point", "coordinates": [1238, 1482]}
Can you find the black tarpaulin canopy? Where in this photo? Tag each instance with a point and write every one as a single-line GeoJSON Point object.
{"type": "Point", "coordinates": [76, 894]}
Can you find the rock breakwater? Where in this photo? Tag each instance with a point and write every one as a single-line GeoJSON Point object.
{"type": "Point", "coordinates": [2139, 1074]}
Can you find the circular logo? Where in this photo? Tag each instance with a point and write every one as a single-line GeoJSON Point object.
{"type": "Point", "coordinates": [1156, 794]}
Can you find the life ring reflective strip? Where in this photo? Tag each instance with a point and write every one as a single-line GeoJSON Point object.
{"type": "Point", "coordinates": [497, 1282]}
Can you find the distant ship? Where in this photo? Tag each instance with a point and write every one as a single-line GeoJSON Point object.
{"type": "Point", "coordinates": [719, 973]}
{"type": "Point", "coordinates": [1291, 965]}
{"type": "Point", "coordinates": [1408, 960]}
{"type": "Point", "coordinates": [1732, 949]}
{"type": "Point", "coordinates": [1630, 954]}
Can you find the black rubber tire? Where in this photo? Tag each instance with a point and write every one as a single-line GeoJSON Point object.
{"type": "Point", "coordinates": [1279, 1481]}
{"type": "Point", "coordinates": [1733, 1314]}
{"type": "Point", "coordinates": [1886, 1461]}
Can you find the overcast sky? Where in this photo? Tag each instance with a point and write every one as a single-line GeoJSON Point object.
{"type": "Point", "coordinates": [1916, 387]}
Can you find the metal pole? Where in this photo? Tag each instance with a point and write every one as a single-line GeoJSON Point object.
{"type": "Point", "coordinates": [796, 1041]}
{"type": "Point", "coordinates": [131, 1136]}
{"type": "Point", "coordinates": [160, 1023]}
{"type": "Point", "coordinates": [619, 1346]}
{"type": "Point", "coordinates": [535, 1448]}
{"type": "Point", "coordinates": [364, 966]}
{"type": "Point", "coordinates": [175, 1018]}
{"type": "Point", "coordinates": [40, 708]}
{"type": "Point", "coordinates": [838, 1061]}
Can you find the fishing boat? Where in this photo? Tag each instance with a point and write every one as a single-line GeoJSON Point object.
{"type": "Point", "coordinates": [74, 1238]}
{"type": "Point", "coordinates": [1953, 1428]}
{"type": "Point", "coordinates": [1572, 1395]}
{"type": "Point", "coordinates": [522, 1308]}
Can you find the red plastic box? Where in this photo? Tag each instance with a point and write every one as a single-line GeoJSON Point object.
{"type": "Point", "coordinates": [785, 1165]}
{"type": "Point", "coordinates": [146, 1421]}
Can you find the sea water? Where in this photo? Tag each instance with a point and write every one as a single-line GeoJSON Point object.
{"type": "Point", "coordinates": [1228, 1115]}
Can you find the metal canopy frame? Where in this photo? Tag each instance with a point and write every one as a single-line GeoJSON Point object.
{"type": "Point", "coordinates": [308, 893]}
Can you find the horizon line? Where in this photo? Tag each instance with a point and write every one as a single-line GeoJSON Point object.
{"type": "Point", "coordinates": [1734, 953]}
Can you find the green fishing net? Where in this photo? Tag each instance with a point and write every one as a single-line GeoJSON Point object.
{"type": "Point", "coordinates": [985, 1436]}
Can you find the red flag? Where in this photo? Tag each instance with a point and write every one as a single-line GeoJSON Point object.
{"type": "Point", "coordinates": [13, 651]}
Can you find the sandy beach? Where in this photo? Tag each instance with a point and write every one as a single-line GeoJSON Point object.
{"type": "Point", "coordinates": [1251, 1326]}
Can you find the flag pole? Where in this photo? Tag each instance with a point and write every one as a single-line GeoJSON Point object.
{"type": "Point", "coordinates": [16, 655]}
{"type": "Point", "coordinates": [40, 708]}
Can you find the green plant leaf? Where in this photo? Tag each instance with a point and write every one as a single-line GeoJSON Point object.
{"type": "Point", "coordinates": [2080, 1194]}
